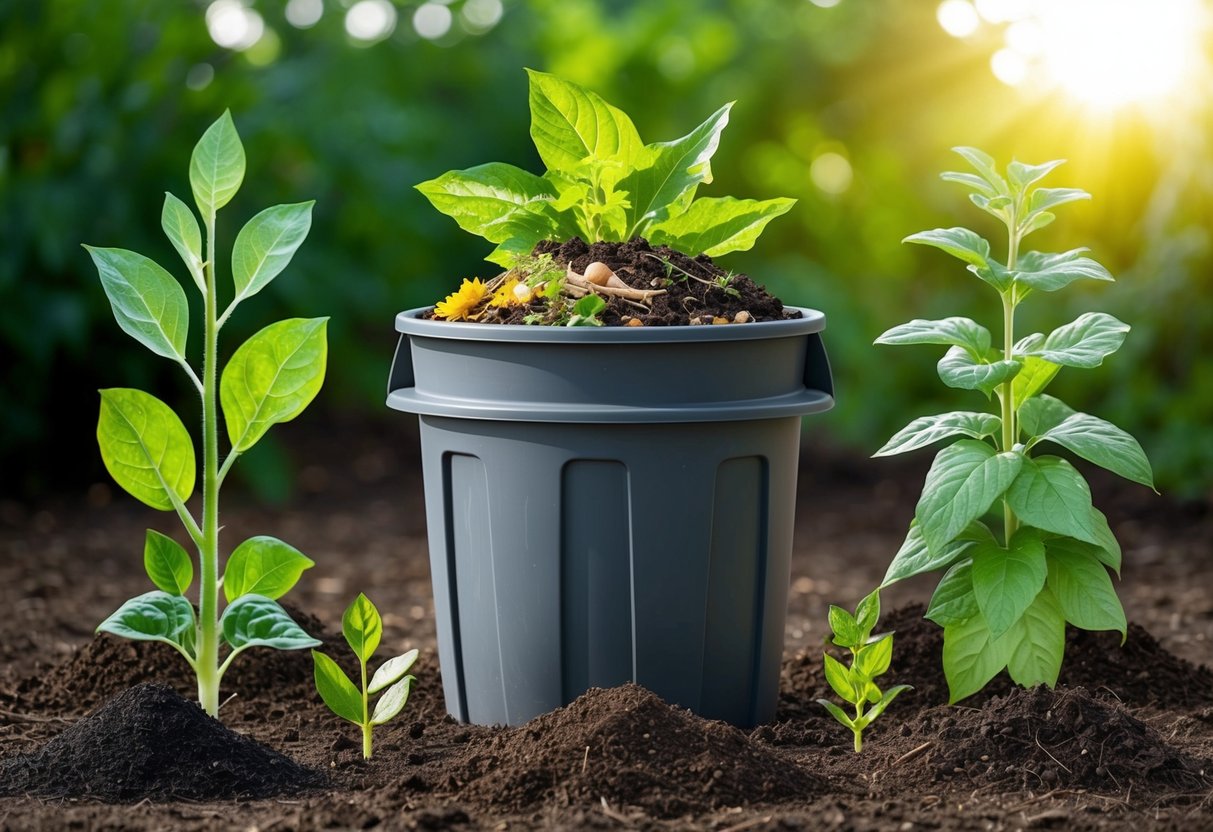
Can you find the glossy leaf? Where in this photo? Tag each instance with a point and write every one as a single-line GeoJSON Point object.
{"type": "Point", "coordinates": [1083, 588]}
{"type": "Point", "coordinates": [336, 689]}
{"type": "Point", "coordinates": [1104, 444]}
{"type": "Point", "coordinates": [971, 181]}
{"type": "Point", "coordinates": [1033, 377]}
{"type": "Point", "coordinates": [148, 302]}
{"type": "Point", "coordinates": [954, 601]}
{"type": "Point", "coordinates": [145, 447]}
{"type": "Point", "coordinates": [1107, 547]}
{"type": "Point", "coordinates": [167, 564]}
{"type": "Point", "coordinates": [959, 332]}
{"type": "Point", "coordinates": [1021, 175]}
{"type": "Point", "coordinates": [257, 621]}
{"type": "Point", "coordinates": [836, 712]}
{"type": "Point", "coordinates": [961, 243]}
{"type": "Point", "coordinates": [845, 627]}
{"type": "Point", "coordinates": [1036, 643]}
{"type": "Point", "coordinates": [266, 244]}
{"type": "Point", "coordinates": [718, 226]}
{"type": "Point", "coordinates": [984, 164]}
{"type": "Point", "coordinates": [840, 679]}
{"type": "Point", "coordinates": [362, 627]}
{"type": "Point", "coordinates": [867, 613]}
{"type": "Point", "coordinates": [483, 198]}
{"type": "Point", "coordinates": [914, 557]}
{"type": "Point", "coordinates": [181, 227]}
{"type": "Point", "coordinates": [874, 659]}
{"type": "Point", "coordinates": [265, 566]}
{"type": "Point", "coordinates": [878, 708]}
{"type": "Point", "coordinates": [1050, 272]}
{"type": "Point", "coordinates": [926, 430]}
{"type": "Point", "coordinates": [217, 166]}
{"type": "Point", "coordinates": [393, 701]}
{"type": "Point", "coordinates": [392, 671]}
{"type": "Point", "coordinates": [963, 482]}
{"type": "Point", "coordinates": [272, 377]}
{"type": "Point", "coordinates": [1037, 222]}
{"type": "Point", "coordinates": [1050, 495]}
{"type": "Point", "coordinates": [971, 657]}
{"type": "Point", "coordinates": [570, 123]}
{"type": "Point", "coordinates": [1042, 414]}
{"type": "Point", "coordinates": [153, 616]}
{"type": "Point", "coordinates": [1045, 198]}
{"type": "Point", "coordinates": [1006, 581]}
{"type": "Point", "coordinates": [959, 369]}
{"type": "Point", "coordinates": [1085, 341]}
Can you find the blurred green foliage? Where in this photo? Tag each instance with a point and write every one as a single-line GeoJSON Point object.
{"type": "Point", "coordinates": [851, 109]}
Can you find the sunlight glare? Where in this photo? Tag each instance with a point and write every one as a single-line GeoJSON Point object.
{"type": "Point", "coordinates": [958, 18]}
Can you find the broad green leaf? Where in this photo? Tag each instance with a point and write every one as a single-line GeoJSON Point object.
{"type": "Point", "coordinates": [840, 679]}
{"type": "Point", "coordinates": [217, 166]}
{"type": "Point", "coordinates": [1044, 198]}
{"type": "Point", "coordinates": [266, 245]}
{"type": "Point", "coordinates": [1107, 547]}
{"type": "Point", "coordinates": [1042, 414]}
{"type": "Point", "coordinates": [1083, 588]}
{"type": "Point", "coordinates": [362, 627]}
{"type": "Point", "coordinates": [336, 689]}
{"type": "Point", "coordinates": [480, 199]}
{"type": "Point", "coordinates": [1036, 643]}
{"type": "Point", "coordinates": [1051, 496]}
{"type": "Point", "coordinates": [971, 657]}
{"type": "Point", "coordinates": [272, 377]}
{"type": "Point", "coordinates": [1104, 444]}
{"type": "Point", "coordinates": [963, 482]}
{"type": "Point", "coordinates": [926, 430]}
{"type": "Point", "coordinates": [1037, 222]}
{"type": "Point", "coordinates": [1006, 581]}
{"type": "Point", "coordinates": [154, 616]}
{"type": "Point", "coordinates": [836, 712]}
{"type": "Point", "coordinates": [960, 370]}
{"type": "Point", "coordinates": [873, 693]}
{"type": "Point", "coordinates": [718, 226]}
{"type": "Point", "coordinates": [167, 564]}
{"type": "Point", "coordinates": [1084, 342]}
{"type": "Point", "coordinates": [958, 332]}
{"type": "Point", "coordinates": [846, 629]}
{"type": "Point", "coordinates": [570, 123]}
{"type": "Point", "coordinates": [1022, 175]}
{"type": "Point", "coordinates": [145, 447]}
{"type": "Point", "coordinates": [914, 557]}
{"type": "Point", "coordinates": [393, 701]}
{"type": "Point", "coordinates": [878, 707]}
{"type": "Point", "coordinates": [1050, 272]}
{"type": "Point", "coordinates": [148, 303]}
{"type": "Point", "coordinates": [265, 566]}
{"type": "Point", "coordinates": [874, 659]}
{"type": "Point", "coordinates": [971, 181]}
{"type": "Point", "coordinates": [954, 601]}
{"type": "Point", "coordinates": [984, 164]}
{"type": "Point", "coordinates": [668, 173]}
{"type": "Point", "coordinates": [867, 613]}
{"type": "Point", "coordinates": [181, 227]}
{"type": "Point", "coordinates": [257, 621]}
{"type": "Point", "coordinates": [961, 243]}
{"type": "Point", "coordinates": [1034, 377]}
{"type": "Point", "coordinates": [392, 671]}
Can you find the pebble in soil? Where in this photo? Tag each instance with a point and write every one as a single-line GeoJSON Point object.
{"type": "Point", "coordinates": [149, 742]}
{"type": "Point", "coordinates": [627, 746]}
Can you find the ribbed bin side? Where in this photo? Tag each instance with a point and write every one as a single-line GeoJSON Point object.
{"type": "Point", "coordinates": [567, 556]}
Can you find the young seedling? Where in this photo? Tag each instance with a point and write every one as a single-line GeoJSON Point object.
{"type": "Point", "coordinates": [271, 378]}
{"type": "Point", "coordinates": [1024, 548]}
{"type": "Point", "coordinates": [363, 628]}
{"type": "Point", "coordinates": [870, 657]}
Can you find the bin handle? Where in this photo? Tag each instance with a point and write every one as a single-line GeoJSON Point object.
{"type": "Point", "coordinates": [817, 374]}
{"type": "Point", "coordinates": [401, 375]}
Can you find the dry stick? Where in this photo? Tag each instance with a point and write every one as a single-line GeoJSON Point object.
{"type": "Point", "coordinates": [613, 815]}
{"type": "Point", "coordinates": [585, 760]}
{"type": "Point", "coordinates": [1051, 757]}
{"type": "Point", "coordinates": [911, 754]}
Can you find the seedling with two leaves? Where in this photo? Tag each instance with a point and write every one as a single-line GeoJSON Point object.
{"type": "Point", "coordinates": [870, 657]}
{"type": "Point", "coordinates": [363, 629]}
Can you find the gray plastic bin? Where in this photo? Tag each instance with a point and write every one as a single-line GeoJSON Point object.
{"type": "Point", "coordinates": [610, 505]}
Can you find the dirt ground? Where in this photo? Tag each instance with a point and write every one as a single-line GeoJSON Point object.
{"type": "Point", "coordinates": [1125, 742]}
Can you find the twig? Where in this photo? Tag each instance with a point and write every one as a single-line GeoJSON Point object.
{"type": "Point", "coordinates": [585, 760]}
{"type": "Point", "coordinates": [911, 754]}
{"type": "Point", "coordinates": [1051, 757]}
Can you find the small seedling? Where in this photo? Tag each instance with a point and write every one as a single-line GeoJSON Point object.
{"type": "Point", "coordinates": [363, 628]}
{"type": "Point", "coordinates": [870, 657]}
{"type": "Point", "coordinates": [586, 310]}
{"type": "Point", "coordinates": [270, 379]}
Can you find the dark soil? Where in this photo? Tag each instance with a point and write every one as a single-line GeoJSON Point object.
{"type": "Point", "coordinates": [1001, 760]}
{"type": "Point", "coordinates": [149, 742]}
{"type": "Point", "coordinates": [697, 291]}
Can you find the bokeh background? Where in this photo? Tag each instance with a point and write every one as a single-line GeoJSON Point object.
{"type": "Point", "coordinates": [850, 106]}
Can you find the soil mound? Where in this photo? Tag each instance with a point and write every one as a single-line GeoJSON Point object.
{"type": "Point", "coordinates": [627, 746]}
{"type": "Point", "coordinates": [1042, 739]}
{"type": "Point", "coordinates": [149, 742]}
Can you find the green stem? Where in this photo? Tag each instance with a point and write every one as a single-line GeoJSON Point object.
{"type": "Point", "coordinates": [858, 732]}
{"type": "Point", "coordinates": [366, 716]}
{"type": "Point", "coordinates": [1010, 430]}
{"type": "Point", "coordinates": [208, 551]}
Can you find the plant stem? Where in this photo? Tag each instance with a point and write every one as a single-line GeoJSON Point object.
{"type": "Point", "coordinates": [1010, 431]}
{"type": "Point", "coordinates": [208, 551]}
{"type": "Point", "coordinates": [366, 741]}
{"type": "Point", "coordinates": [858, 732]}
{"type": "Point", "coordinates": [366, 715]}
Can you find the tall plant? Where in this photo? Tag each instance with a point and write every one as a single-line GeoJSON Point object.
{"type": "Point", "coordinates": [1024, 548]}
{"type": "Point", "coordinates": [271, 378]}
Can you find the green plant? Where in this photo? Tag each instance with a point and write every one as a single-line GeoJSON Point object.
{"type": "Point", "coordinates": [363, 628]}
{"type": "Point", "coordinates": [271, 378]}
{"type": "Point", "coordinates": [870, 657]}
{"type": "Point", "coordinates": [602, 183]}
{"type": "Point", "coordinates": [1010, 590]}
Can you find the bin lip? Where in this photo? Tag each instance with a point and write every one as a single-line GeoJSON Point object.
{"type": "Point", "coordinates": [411, 323]}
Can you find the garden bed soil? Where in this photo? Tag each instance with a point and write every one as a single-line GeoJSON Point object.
{"type": "Point", "coordinates": [1125, 742]}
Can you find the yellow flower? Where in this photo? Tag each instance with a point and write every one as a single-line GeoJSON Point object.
{"type": "Point", "coordinates": [458, 304]}
{"type": "Point", "coordinates": [511, 293]}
